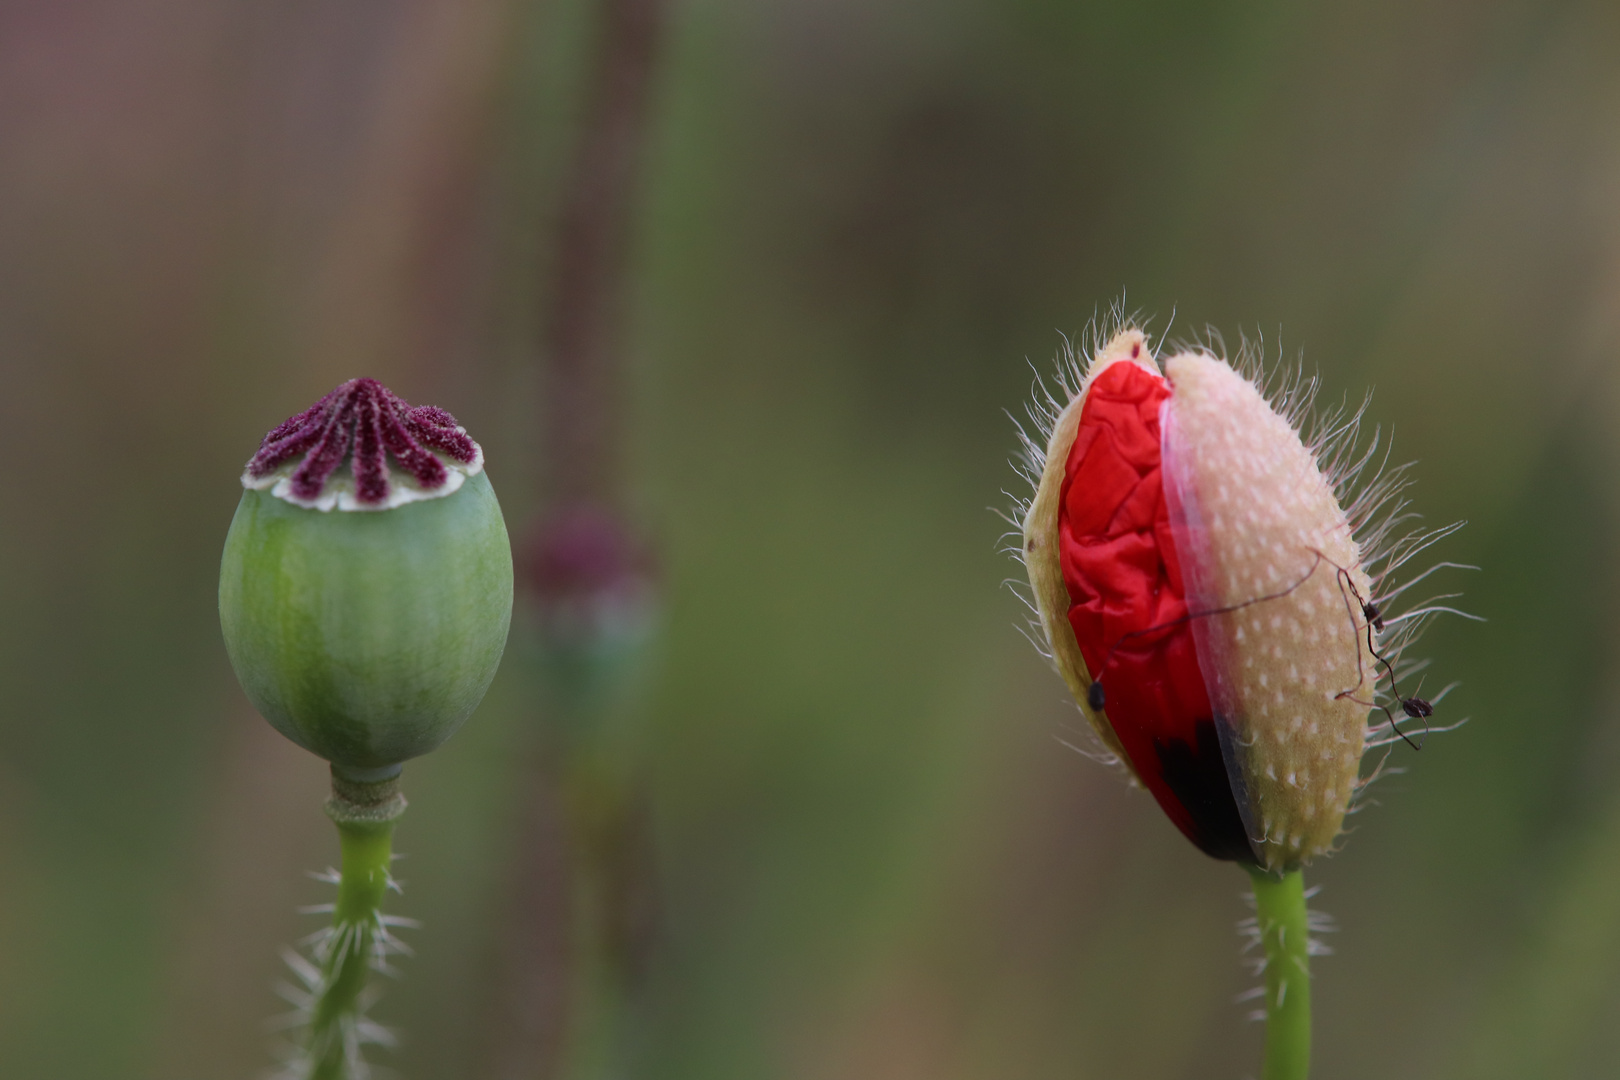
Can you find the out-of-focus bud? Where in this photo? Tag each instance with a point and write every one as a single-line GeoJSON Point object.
{"type": "Point", "coordinates": [593, 583]}
{"type": "Point", "coordinates": [1203, 594]}
{"type": "Point", "coordinates": [588, 613]}
{"type": "Point", "coordinates": [365, 610]}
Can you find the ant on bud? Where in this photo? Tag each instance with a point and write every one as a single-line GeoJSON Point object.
{"type": "Point", "coordinates": [1370, 612]}
{"type": "Point", "coordinates": [1416, 708]}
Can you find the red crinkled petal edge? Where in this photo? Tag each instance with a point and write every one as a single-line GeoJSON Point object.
{"type": "Point", "coordinates": [1129, 612]}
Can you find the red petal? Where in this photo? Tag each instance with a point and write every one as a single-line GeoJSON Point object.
{"type": "Point", "coordinates": [1126, 595]}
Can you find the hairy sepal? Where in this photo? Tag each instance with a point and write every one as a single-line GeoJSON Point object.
{"type": "Point", "coordinates": [1040, 540]}
{"type": "Point", "coordinates": [1253, 517]}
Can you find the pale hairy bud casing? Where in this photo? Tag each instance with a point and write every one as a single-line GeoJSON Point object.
{"type": "Point", "coordinates": [1198, 580]}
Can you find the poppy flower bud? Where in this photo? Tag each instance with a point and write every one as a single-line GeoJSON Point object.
{"type": "Point", "coordinates": [365, 610]}
{"type": "Point", "coordinates": [1201, 590]}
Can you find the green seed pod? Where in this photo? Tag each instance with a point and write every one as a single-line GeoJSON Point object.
{"type": "Point", "coordinates": [365, 614]}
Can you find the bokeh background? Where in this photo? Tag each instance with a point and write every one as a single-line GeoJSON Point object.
{"type": "Point", "coordinates": [861, 228]}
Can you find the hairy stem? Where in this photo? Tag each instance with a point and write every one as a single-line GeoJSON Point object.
{"type": "Point", "coordinates": [1284, 934]}
{"type": "Point", "coordinates": [365, 814]}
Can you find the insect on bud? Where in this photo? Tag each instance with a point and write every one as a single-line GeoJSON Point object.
{"type": "Point", "coordinates": [365, 610]}
{"type": "Point", "coordinates": [1203, 594]}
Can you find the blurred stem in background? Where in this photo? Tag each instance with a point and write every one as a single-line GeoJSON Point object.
{"type": "Point", "coordinates": [1283, 928]}
{"type": "Point", "coordinates": [593, 608]}
{"type": "Point", "coordinates": [590, 604]}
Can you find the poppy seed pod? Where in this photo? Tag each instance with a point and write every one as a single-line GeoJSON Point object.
{"type": "Point", "coordinates": [1203, 593]}
{"type": "Point", "coordinates": [365, 611]}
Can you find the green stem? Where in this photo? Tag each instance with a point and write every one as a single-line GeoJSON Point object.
{"type": "Point", "coordinates": [365, 814]}
{"type": "Point", "coordinates": [1284, 933]}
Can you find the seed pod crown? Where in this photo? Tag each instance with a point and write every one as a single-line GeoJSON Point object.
{"type": "Point", "coordinates": [365, 423]}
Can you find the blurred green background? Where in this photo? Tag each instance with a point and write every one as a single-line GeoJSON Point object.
{"type": "Point", "coordinates": [859, 220]}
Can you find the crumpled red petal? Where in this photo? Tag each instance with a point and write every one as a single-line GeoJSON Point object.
{"type": "Point", "coordinates": [1129, 611]}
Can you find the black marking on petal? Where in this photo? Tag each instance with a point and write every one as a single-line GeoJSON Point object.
{"type": "Point", "coordinates": [1198, 777]}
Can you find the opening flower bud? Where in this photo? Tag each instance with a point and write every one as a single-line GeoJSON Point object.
{"type": "Point", "coordinates": [1204, 595]}
{"type": "Point", "coordinates": [365, 608]}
